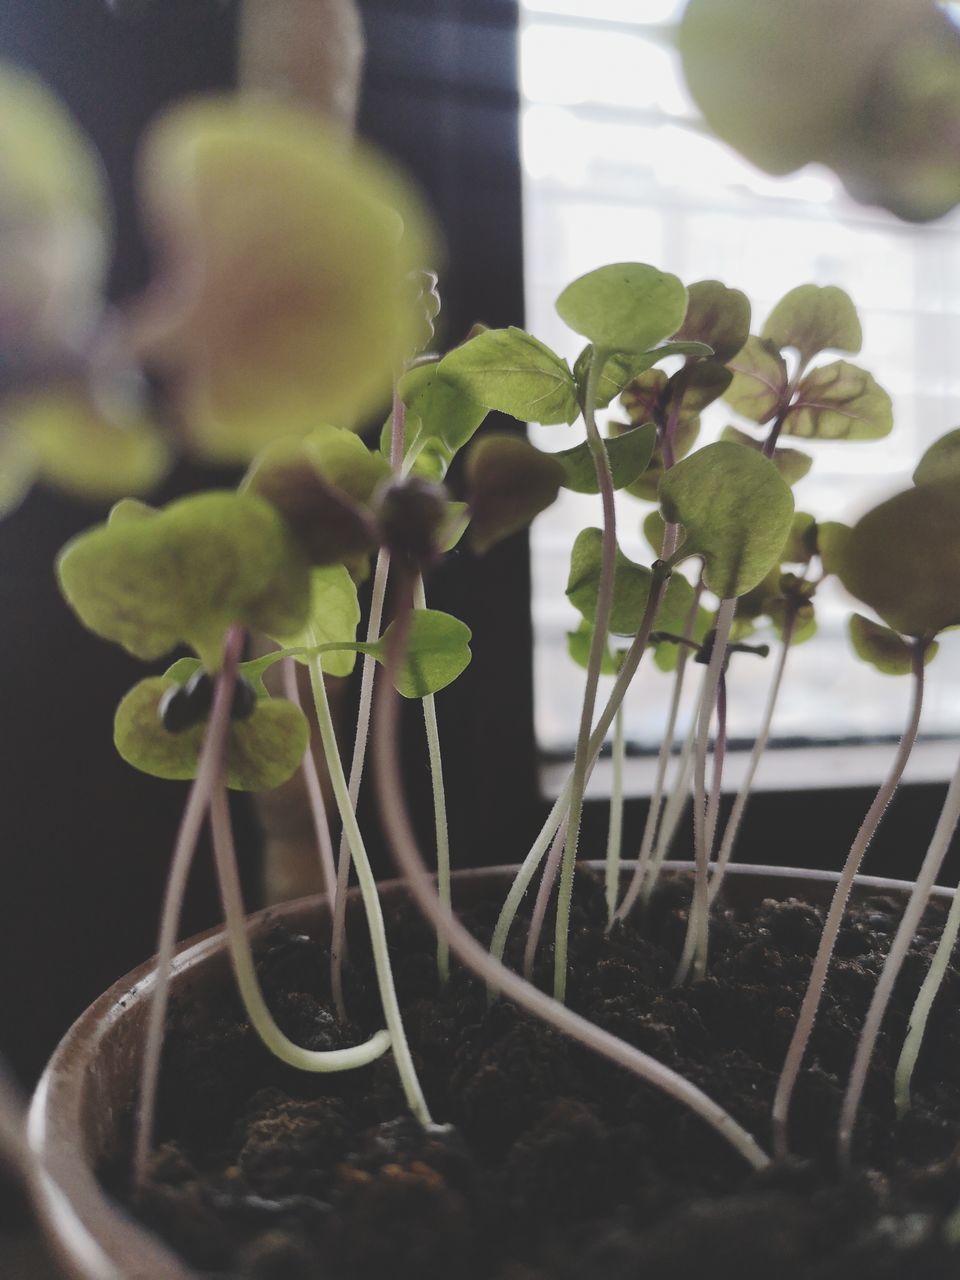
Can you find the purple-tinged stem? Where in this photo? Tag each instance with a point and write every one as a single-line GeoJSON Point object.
{"type": "Point", "coordinates": [743, 795]}
{"type": "Point", "coordinates": [318, 808]}
{"type": "Point", "coordinates": [211, 753]}
{"type": "Point", "coordinates": [663, 761]}
{"type": "Point", "coordinates": [814, 992]}
{"type": "Point", "coordinates": [598, 642]}
{"type": "Point", "coordinates": [919, 895]}
{"type": "Point", "coordinates": [615, 831]}
{"type": "Point", "coordinates": [396, 823]}
{"type": "Point", "coordinates": [698, 923]}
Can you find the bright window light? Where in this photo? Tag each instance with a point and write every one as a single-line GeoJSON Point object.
{"type": "Point", "coordinates": [616, 168]}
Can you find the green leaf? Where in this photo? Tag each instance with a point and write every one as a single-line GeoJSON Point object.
{"type": "Point", "coordinates": [793, 464]}
{"type": "Point", "coordinates": [334, 617]}
{"type": "Point", "coordinates": [18, 470]}
{"type": "Point", "coordinates": [631, 584]}
{"type": "Point", "coordinates": [631, 589]}
{"type": "Point", "coordinates": [903, 559]}
{"type": "Point", "coordinates": [185, 575]}
{"type": "Point", "coordinates": [880, 646]}
{"type": "Point", "coordinates": [440, 407]}
{"type": "Point", "coordinates": [801, 544]}
{"type": "Point", "coordinates": [718, 316]}
{"type": "Point", "coordinates": [736, 511]}
{"type": "Point", "coordinates": [578, 647]}
{"type": "Point", "coordinates": [653, 531]}
{"type": "Point", "coordinates": [783, 86]}
{"type": "Point", "coordinates": [629, 456]}
{"type": "Point", "coordinates": [130, 509]}
{"type": "Point", "coordinates": [330, 523]}
{"type": "Point", "coordinates": [623, 366]}
{"type": "Point", "coordinates": [666, 652]}
{"type": "Point", "coordinates": [760, 380]}
{"type": "Point", "coordinates": [80, 447]}
{"type": "Point", "coordinates": [627, 306]}
{"type": "Point", "coordinates": [839, 402]}
{"type": "Point", "coordinates": [344, 461]}
{"type": "Point", "coordinates": [455, 526]}
{"type": "Point", "coordinates": [509, 370]}
{"type": "Point", "coordinates": [805, 622]}
{"type": "Point", "coordinates": [755, 603]}
{"type": "Point", "coordinates": [941, 460]}
{"type": "Point", "coordinates": [832, 538]}
{"type": "Point", "coordinates": [508, 483]}
{"type": "Point", "coordinates": [812, 319]}
{"type": "Point", "coordinates": [438, 650]}
{"type": "Point", "coordinates": [646, 400]}
{"type": "Point", "coordinates": [263, 751]}
{"type": "Point", "coordinates": [696, 385]}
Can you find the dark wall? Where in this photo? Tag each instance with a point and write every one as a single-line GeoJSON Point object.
{"type": "Point", "coordinates": [86, 839]}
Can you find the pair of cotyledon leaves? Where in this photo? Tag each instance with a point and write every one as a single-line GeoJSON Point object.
{"type": "Point", "coordinates": [151, 579]}
{"type": "Point", "coordinates": [903, 560]}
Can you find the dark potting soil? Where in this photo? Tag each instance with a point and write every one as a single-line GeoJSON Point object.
{"type": "Point", "coordinates": [558, 1165]}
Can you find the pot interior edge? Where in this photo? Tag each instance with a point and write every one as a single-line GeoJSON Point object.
{"type": "Point", "coordinates": [76, 1114]}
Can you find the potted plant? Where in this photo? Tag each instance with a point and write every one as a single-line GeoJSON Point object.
{"type": "Point", "coordinates": [242, 318]}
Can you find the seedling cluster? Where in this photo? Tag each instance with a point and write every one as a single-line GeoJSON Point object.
{"type": "Point", "coordinates": [292, 298]}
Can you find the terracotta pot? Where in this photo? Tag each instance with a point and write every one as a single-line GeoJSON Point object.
{"type": "Point", "coordinates": [90, 1082]}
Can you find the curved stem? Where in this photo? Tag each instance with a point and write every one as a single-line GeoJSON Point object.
{"type": "Point", "coordinates": [318, 809]}
{"type": "Point", "coordinates": [244, 969]}
{"type": "Point", "coordinates": [756, 755]}
{"type": "Point", "coordinates": [919, 896]}
{"type": "Point", "coordinates": [831, 928]}
{"type": "Point", "coordinates": [698, 923]}
{"type": "Point", "coordinates": [615, 829]}
{"type": "Point", "coordinates": [547, 881]}
{"type": "Point", "coordinates": [371, 903]}
{"type": "Point", "coordinates": [338, 935]}
{"type": "Point", "coordinates": [439, 799]}
{"type": "Point", "coordinates": [938, 966]}
{"type": "Point", "coordinates": [396, 822]}
{"type": "Point", "coordinates": [663, 760]}
{"type": "Point", "coordinates": [608, 562]}
{"type": "Point", "coordinates": [211, 753]}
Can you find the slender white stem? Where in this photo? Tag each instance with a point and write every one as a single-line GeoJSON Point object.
{"type": "Point", "coordinates": [608, 560]}
{"type": "Point", "coordinates": [919, 896]}
{"type": "Point", "coordinates": [615, 830]}
{"type": "Point", "coordinates": [318, 808]}
{"type": "Point", "coordinates": [732, 828]}
{"type": "Point", "coordinates": [214, 745]}
{"type": "Point", "coordinates": [663, 759]}
{"type": "Point", "coordinates": [935, 975]}
{"type": "Point", "coordinates": [694, 956]}
{"type": "Point", "coordinates": [439, 800]}
{"type": "Point", "coordinates": [473, 955]}
{"type": "Point", "coordinates": [244, 969]}
{"type": "Point", "coordinates": [338, 935]}
{"type": "Point", "coordinates": [831, 928]}
{"type": "Point", "coordinates": [528, 868]}
{"type": "Point", "coordinates": [547, 881]}
{"type": "Point", "coordinates": [371, 902]}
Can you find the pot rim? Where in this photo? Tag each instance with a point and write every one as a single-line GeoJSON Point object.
{"type": "Point", "coordinates": [96, 1239]}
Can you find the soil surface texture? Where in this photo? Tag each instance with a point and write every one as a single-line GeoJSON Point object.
{"type": "Point", "coordinates": [555, 1165]}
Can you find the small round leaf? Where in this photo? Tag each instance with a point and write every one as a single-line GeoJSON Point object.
{"type": "Point", "coordinates": [627, 306]}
